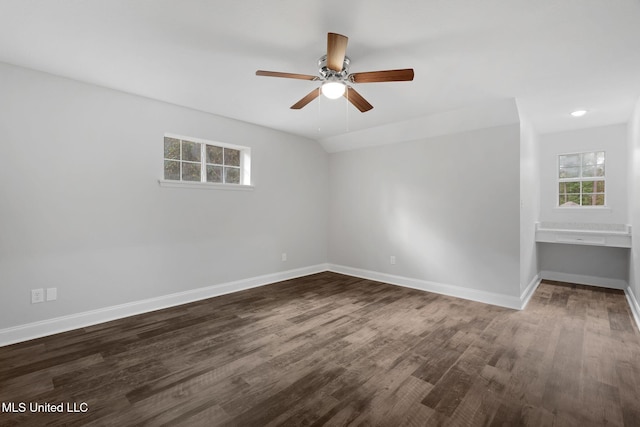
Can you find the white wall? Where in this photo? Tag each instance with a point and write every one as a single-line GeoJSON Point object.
{"type": "Point", "coordinates": [611, 139]}
{"type": "Point", "coordinates": [529, 203]}
{"type": "Point", "coordinates": [634, 200]}
{"type": "Point", "coordinates": [446, 207]}
{"type": "Point", "coordinates": [82, 210]}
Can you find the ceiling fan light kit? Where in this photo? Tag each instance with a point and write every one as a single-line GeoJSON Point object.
{"type": "Point", "coordinates": [334, 74]}
{"type": "Point", "coordinates": [333, 89]}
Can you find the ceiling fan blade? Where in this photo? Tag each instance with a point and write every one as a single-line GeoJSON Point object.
{"type": "Point", "coordinates": [307, 99]}
{"type": "Point", "coordinates": [403, 75]}
{"type": "Point", "coordinates": [336, 50]}
{"type": "Point", "coordinates": [286, 75]}
{"type": "Point", "coordinates": [357, 100]}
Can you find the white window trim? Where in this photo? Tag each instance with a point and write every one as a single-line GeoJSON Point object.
{"type": "Point", "coordinates": [204, 185]}
{"type": "Point", "coordinates": [245, 167]}
{"type": "Point", "coordinates": [558, 180]}
{"type": "Point", "coordinates": [582, 208]}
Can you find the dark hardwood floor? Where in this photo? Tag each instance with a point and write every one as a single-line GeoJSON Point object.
{"type": "Point", "coordinates": [329, 349]}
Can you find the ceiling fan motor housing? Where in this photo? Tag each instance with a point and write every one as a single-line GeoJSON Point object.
{"type": "Point", "coordinates": [328, 74]}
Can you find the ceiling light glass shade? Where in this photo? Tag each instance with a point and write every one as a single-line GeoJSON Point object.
{"type": "Point", "coordinates": [333, 90]}
{"type": "Point", "coordinates": [579, 113]}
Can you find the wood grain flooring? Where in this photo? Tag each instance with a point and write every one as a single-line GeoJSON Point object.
{"type": "Point", "coordinates": [329, 349]}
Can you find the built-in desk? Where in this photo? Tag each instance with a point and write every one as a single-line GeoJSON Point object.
{"type": "Point", "coordinates": [613, 235]}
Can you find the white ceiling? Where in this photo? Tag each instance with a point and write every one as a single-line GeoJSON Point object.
{"type": "Point", "coordinates": [552, 56]}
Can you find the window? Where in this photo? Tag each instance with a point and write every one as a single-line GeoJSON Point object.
{"type": "Point", "coordinates": [195, 160]}
{"type": "Point", "coordinates": [581, 179]}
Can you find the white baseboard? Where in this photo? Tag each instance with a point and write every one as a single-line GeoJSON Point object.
{"type": "Point", "coordinates": [513, 302]}
{"type": "Point", "coordinates": [580, 279]}
{"type": "Point", "coordinates": [529, 291]}
{"type": "Point", "coordinates": [74, 321]}
{"type": "Point", "coordinates": [633, 303]}
{"type": "Point", "coordinates": [56, 325]}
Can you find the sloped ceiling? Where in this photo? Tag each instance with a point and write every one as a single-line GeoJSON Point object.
{"type": "Point", "coordinates": [552, 56]}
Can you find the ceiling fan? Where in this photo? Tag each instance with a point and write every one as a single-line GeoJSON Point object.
{"type": "Point", "coordinates": [334, 75]}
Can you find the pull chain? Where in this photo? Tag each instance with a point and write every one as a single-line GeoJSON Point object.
{"type": "Point", "coordinates": [347, 107]}
{"type": "Point", "coordinates": [319, 110]}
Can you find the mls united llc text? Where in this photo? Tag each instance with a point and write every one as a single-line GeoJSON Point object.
{"type": "Point", "coordinates": [46, 407]}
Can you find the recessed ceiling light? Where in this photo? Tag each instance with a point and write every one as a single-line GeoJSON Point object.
{"type": "Point", "coordinates": [579, 113]}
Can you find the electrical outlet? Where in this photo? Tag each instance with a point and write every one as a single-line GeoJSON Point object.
{"type": "Point", "coordinates": [52, 294]}
{"type": "Point", "coordinates": [284, 256]}
{"type": "Point", "coordinates": [392, 260]}
{"type": "Point", "coordinates": [37, 295]}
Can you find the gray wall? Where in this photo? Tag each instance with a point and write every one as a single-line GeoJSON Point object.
{"type": "Point", "coordinates": [634, 199]}
{"type": "Point", "coordinates": [613, 140]}
{"type": "Point", "coordinates": [529, 203]}
{"type": "Point", "coordinates": [446, 207]}
{"type": "Point", "coordinates": [82, 210]}
{"type": "Point", "coordinates": [589, 265]}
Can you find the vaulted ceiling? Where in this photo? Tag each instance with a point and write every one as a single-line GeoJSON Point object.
{"type": "Point", "coordinates": [552, 56]}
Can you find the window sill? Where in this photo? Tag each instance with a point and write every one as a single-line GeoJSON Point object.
{"type": "Point", "coordinates": [204, 185]}
{"type": "Point", "coordinates": [583, 208]}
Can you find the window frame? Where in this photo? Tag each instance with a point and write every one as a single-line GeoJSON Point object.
{"type": "Point", "coordinates": [581, 179]}
{"type": "Point", "coordinates": [245, 166]}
